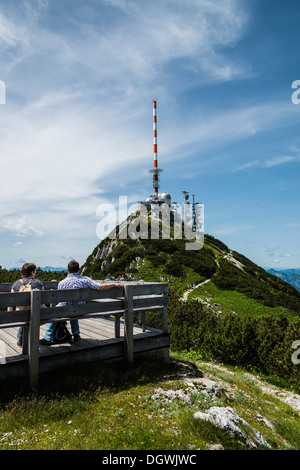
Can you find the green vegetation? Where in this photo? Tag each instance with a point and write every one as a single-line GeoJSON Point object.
{"type": "Point", "coordinates": [169, 261]}
{"type": "Point", "coordinates": [252, 319]}
{"type": "Point", "coordinates": [256, 283]}
{"type": "Point", "coordinates": [261, 343]}
{"type": "Point", "coordinates": [108, 407]}
{"type": "Point", "coordinates": [232, 301]}
{"type": "Point", "coordinates": [13, 275]}
{"type": "Point", "coordinates": [248, 324]}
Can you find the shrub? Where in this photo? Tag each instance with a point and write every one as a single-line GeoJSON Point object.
{"type": "Point", "coordinates": [264, 343]}
{"type": "Point", "coordinates": [258, 287]}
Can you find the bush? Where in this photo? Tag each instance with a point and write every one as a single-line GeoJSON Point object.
{"type": "Point", "coordinates": [264, 343]}
{"type": "Point", "coordinates": [175, 267]}
{"type": "Point", "coordinates": [258, 287]}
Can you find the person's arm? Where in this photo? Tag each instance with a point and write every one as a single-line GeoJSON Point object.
{"type": "Point", "coordinates": [109, 285]}
{"type": "Point", "coordinates": [103, 286]}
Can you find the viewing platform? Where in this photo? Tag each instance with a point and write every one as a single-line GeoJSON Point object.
{"type": "Point", "coordinates": [113, 324]}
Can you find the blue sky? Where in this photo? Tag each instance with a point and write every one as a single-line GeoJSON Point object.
{"type": "Point", "coordinates": [76, 126]}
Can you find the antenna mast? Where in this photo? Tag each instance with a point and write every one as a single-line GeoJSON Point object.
{"type": "Point", "coordinates": [155, 170]}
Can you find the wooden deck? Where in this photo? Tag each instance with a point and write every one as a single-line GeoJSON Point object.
{"type": "Point", "coordinates": [103, 336]}
{"type": "Point", "coordinates": [97, 342]}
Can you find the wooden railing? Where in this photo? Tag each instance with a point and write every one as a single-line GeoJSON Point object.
{"type": "Point", "coordinates": [133, 297]}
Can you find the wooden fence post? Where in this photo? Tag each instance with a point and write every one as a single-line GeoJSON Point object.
{"type": "Point", "coordinates": [142, 320]}
{"type": "Point", "coordinates": [165, 315]}
{"type": "Point", "coordinates": [128, 324]}
{"type": "Point", "coordinates": [117, 325]}
{"type": "Point", "coordinates": [33, 338]}
{"type": "Point", "coordinates": [25, 340]}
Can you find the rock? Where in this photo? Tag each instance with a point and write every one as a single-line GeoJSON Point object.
{"type": "Point", "coordinates": [227, 418]}
{"type": "Point", "coordinates": [105, 249]}
{"type": "Point", "coordinates": [169, 395]}
{"type": "Point", "coordinates": [213, 391]}
{"type": "Point", "coordinates": [215, 447]}
{"type": "Point", "coordinates": [263, 420]}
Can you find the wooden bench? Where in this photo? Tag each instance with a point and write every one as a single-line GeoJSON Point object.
{"type": "Point", "coordinates": [115, 302]}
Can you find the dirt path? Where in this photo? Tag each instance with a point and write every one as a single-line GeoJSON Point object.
{"type": "Point", "coordinates": [290, 398]}
{"type": "Point", "coordinates": [186, 293]}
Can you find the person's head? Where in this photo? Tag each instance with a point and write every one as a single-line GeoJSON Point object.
{"type": "Point", "coordinates": [73, 266]}
{"type": "Point", "coordinates": [28, 269]}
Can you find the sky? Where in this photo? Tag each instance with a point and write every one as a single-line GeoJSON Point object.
{"type": "Point", "coordinates": [77, 81]}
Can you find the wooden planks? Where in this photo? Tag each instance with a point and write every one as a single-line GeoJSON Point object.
{"type": "Point", "coordinates": [91, 330]}
{"type": "Point", "coordinates": [103, 334]}
{"type": "Point", "coordinates": [97, 342]}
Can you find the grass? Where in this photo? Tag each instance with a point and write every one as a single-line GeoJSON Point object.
{"type": "Point", "coordinates": [147, 272]}
{"type": "Point", "coordinates": [233, 301]}
{"type": "Point", "coordinates": [110, 408]}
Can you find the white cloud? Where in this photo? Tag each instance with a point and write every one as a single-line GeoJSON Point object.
{"type": "Point", "coordinates": [279, 161]}
{"type": "Point", "coordinates": [276, 251]}
{"type": "Point", "coordinates": [293, 225]}
{"type": "Point", "coordinates": [11, 34]}
{"type": "Point", "coordinates": [77, 123]}
{"type": "Point", "coordinates": [270, 251]}
{"type": "Point", "coordinates": [159, 32]}
{"type": "Point", "coordinates": [68, 157]}
{"type": "Point", "coordinates": [93, 122]}
{"type": "Point", "coordinates": [129, 53]}
{"type": "Point", "coordinates": [246, 166]}
{"type": "Point", "coordinates": [271, 162]}
{"type": "Point", "coordinates": [21, 228]}
{"type": "Point", "coordinates": [231, 229]}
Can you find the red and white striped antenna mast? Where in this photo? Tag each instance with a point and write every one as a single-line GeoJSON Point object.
{"type": "Point", "coordinates": [155, 170]}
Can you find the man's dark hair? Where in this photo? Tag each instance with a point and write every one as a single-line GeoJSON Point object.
{"type": "Point", "coordinates": [27, 269]}
{"type": "Point", "coordinates": [73, 266]}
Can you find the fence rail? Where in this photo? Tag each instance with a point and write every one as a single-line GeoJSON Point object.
{"type": "Point", "coordinates": [6, 286]}
{"type": "Point", "coordinates": [133, 297]}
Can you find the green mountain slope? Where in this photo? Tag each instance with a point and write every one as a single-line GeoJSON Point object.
{"type": "Point", "coordinates": [169, 261]}
{"type": "Point", "coordinates": [103, 407]}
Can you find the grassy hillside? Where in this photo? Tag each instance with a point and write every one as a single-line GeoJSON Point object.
{"type": "Point", "coordinates": [146, 408]}
{"type": "Point", "coordinates": [232, 301]}
{"type": "Point", "coordinates": [232, 325]}
{"type": "Point", "coordinates": [169, 261]}
{"type": "Point", "coordinates": [222, 307]}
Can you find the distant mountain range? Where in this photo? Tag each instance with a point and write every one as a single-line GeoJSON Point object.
{"type": "Point", "coordinates": [291, 276]}
{"type": "Point", "coordinates": [46, 268]}
{"type": "Point", "coordinates": [50, 268]}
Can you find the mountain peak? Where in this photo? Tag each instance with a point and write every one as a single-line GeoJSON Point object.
{"type": "Point", "coordinates": [167, 260]}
